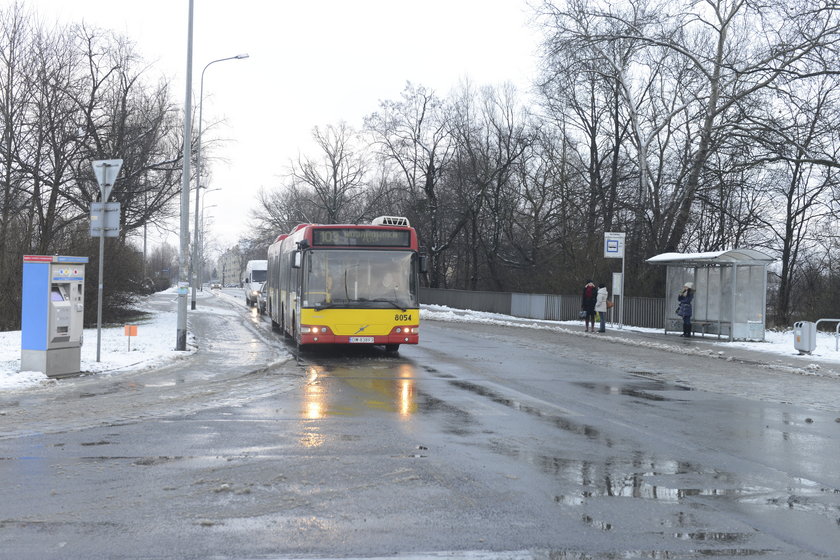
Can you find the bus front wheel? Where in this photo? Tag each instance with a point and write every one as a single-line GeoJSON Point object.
{"type": "Point", "coordinates": [392, 347]}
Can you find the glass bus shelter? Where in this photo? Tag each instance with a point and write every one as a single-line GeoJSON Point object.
{"type": "Point", "coordinates": [730, 297]}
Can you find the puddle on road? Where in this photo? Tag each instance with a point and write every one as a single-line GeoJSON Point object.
{"type": "Point", "coordinates": [382, 387]}
{"type": "Point", "coordinates": [647, 390]}
{"type": "Point", "coordinates": [640, 477]}
{"type": "Point", "coordinates": [137, 461]}
{"type": "Point", "coordinates": [666, 481]}
{"type": "Point", "coordinates": [336, 389]}
{"type": "Point", "coordinates": [342, 387]}
{"type": "Point", "coordinates": [561, 422]}
{"type": "Point", "coordinates": [658, 385]}
{"type": "Point", "coordinates": [437, 373]}
{"type": "Point", "coordinates": [112, 389]}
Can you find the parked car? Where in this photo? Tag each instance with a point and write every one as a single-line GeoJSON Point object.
{"type": "Point", "coordinates": [262, 297]}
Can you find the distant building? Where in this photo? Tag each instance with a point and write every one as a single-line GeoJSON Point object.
{"type": "Point", "coordinates": [230, 266]}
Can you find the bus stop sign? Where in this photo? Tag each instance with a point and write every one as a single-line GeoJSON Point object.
{"type": "Point", "coordinates": [614, 245]}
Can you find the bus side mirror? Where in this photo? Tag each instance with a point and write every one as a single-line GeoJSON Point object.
{"type": "Point", "coordinates": [424, 264]}
{"type": "Point", "coordinates": [296, 259]}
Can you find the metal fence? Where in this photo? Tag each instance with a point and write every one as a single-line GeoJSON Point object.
{"type": "Point", "coordinates": [494, 302]}
{"type": "Point", "coordinates": [638, 311]}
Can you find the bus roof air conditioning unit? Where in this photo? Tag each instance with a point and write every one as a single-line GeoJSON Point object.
{"type": "Point", "coordinates": [390, 221]}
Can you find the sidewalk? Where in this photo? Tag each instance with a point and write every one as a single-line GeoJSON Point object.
{"type": "Point", "coordinates": [773, 356]}
{"type": "Point", "coordinates": [776, 352]}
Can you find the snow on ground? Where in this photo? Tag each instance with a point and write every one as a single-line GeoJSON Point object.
{"type": "Point", "coordinates": [155, 342]}
{"type": "Point", "coordinates": [154, 346]}
{"type": "Point", "coordinates": [778, 343]}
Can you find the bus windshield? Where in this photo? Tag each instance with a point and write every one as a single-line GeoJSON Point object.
{"type": "Point", "coordinates": [338, 278]}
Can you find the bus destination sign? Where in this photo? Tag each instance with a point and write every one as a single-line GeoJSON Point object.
{"type": "Point", "coordinates": [360, 237]}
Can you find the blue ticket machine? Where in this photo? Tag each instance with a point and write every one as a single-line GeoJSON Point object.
{"type": "Point", "coordinates": [52, 314]}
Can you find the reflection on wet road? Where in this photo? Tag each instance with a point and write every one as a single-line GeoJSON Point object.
{"type": "Point", "coordinates": [479, 439]}
{"type": "Point", "coordinates": [603, 451]}
{"type": "Point", "coordinates": [334, 388]}
{"type": "Point", "coordinates": [610, 445]}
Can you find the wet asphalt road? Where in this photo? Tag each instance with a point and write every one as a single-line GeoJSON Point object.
{"type": "Point", "coordinates": [481, 440]}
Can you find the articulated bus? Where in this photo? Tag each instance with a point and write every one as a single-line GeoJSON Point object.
{"type": "Point", "coordinates": [346, 284]}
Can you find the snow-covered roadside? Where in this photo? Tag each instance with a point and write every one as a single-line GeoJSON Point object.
{"type": "Point", "coordinates": [777, 343]}
{"type": "Point", "coordinates": [153, 346]}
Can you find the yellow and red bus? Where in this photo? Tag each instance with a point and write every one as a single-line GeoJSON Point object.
{"type": "Point", "coordinates": [346, 284]}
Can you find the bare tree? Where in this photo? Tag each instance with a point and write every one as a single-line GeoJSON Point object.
{"type": "Point", "coordinates": [69, 95]}
{"type": "Point", "coordinates": [737, 49]}
{"type": "Point", "coordinates": [798, 121]}
{"type": "Point", "coordinates": [627, 105]}
{"type": "Point", "coordinates": [414, 135]}
{"type": "Point", "coordinates": [336, 176]}
{"type": "Point", "coordinates": [15, 35]}
{"type": "Point", "coordinates": [123, 116]}
{"type": "Point", "coordinates": [48, 144]}
{"type": "Point", "coordinates": [492, 134]}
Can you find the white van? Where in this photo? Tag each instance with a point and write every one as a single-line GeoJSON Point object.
{"type": "Point", "coordinates": [252, 280]}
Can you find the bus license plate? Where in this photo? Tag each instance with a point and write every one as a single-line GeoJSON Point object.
{"type": "Point", "coordinates": [362, 339]}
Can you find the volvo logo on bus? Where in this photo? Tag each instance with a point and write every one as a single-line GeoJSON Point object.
{"type": "Point", "coordinates": [361, 329]}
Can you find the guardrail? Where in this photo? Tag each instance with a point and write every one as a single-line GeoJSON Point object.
{"type": "Point", "coordinates": [836, 330]}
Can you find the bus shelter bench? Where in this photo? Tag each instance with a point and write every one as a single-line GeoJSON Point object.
{"type": "Point", "coordinates": [701, 327]}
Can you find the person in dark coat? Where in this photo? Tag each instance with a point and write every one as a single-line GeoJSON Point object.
{"type": "Point", "coordinates": [685, 297]}
{"type": "Point", "coordinates": [587, 304]}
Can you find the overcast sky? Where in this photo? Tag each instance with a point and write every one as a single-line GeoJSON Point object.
{"type": "Point", "coordinates": [312, 62]}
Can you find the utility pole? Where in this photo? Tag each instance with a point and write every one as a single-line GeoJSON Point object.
{"type": "Point", "coordinates": [183, 279]}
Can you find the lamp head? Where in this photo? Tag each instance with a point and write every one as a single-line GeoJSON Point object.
{"type": "Point", "coordinates": [241, 56]}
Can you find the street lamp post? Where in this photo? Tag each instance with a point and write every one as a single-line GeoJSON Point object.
{"type": "Point", "coordinates": [183, 281]}
{"type": "Point", "coordinates": [200, 236]}
{"type": "Point", "coordinates": [198, 171]}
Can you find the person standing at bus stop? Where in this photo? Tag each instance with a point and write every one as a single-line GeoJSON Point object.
{"type": "Point", "coordinates": [685, 297]}
{"type": "Point", "coordinates": [587, 305]}
{"type": "Point", "coordinates": [601, 306]}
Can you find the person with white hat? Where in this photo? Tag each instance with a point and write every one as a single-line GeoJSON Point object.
{"type": "Point", "coordinates": [685, 297]}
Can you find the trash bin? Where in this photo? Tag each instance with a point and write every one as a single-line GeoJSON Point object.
{"type": "Point", "coordinates": [804, 336]}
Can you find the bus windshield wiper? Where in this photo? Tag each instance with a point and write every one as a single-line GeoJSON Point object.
{"type": "Point", "coordinates": [396, 304]}
{"type": "Point", "coordinates": [344, 303]}
{"type": "Point", "coordinates": [333, 304]}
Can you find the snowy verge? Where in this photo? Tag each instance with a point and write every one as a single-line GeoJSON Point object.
{"type": "Point", "coordinates": [156, 337]}
{"type": "Point", "coordinates": [776, 343]}
{"type": "Point", "coordinates": [153, 347]}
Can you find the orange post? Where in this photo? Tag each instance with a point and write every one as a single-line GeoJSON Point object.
{"type": "Point", "coordinates": [130, 330]}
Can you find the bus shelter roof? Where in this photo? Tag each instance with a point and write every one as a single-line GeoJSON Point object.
{"type": "Point", "coordinates": [728, 257]}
